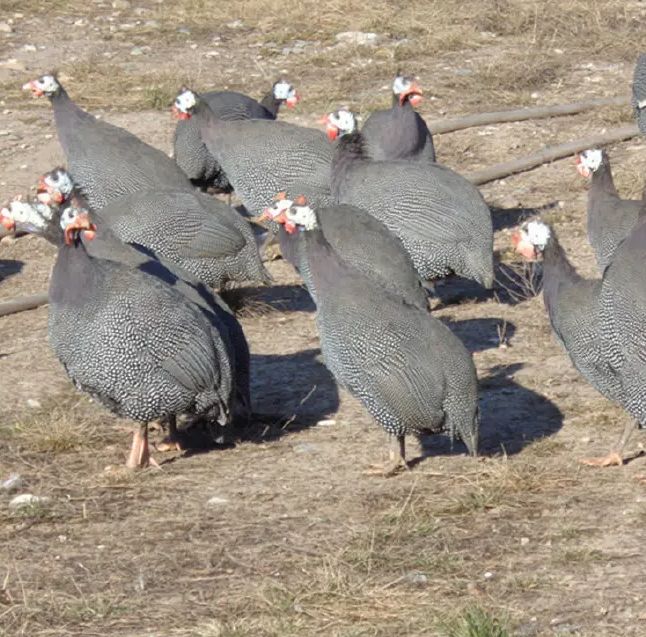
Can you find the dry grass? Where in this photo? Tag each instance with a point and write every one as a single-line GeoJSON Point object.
{"type": "Point", "coordinates": [302, 543]}
{"type": "Point", "coordinates": [68, 423]}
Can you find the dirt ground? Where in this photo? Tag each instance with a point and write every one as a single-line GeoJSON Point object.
{"type": "Point", "coordinates": [285, 535]}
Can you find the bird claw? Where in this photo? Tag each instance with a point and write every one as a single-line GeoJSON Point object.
{"type": "Point", "coordinates": [387, 470]}
{"type": "Point", "coordinates": [167, 444]}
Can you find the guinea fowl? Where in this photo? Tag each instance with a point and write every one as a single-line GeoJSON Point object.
{"type": "Point", "coordinates": [408, 369]}
{"type": "Point", "coordinates": [360, 240]}
{"type": "Point", "coordinates": [610, 218]}
{"type": "Point", "coordinates": [191, 154]}
{"type": "Point", "coordinates": [125, 333]}
{"type": "Point", "coordinates": [440, 217]}
{"type": "Point", "coordinates": [639, 92]}
{"type": "Point", "coordinates": [105, 161]}
{"type": "Point", "coordinates": [260, 157]}
{"type": "Point", "coordinates": [215, 243]}
{"type": "Point", "coordinates": [399, 132]}
{"type": "Point", "coordinates": [599, 322]}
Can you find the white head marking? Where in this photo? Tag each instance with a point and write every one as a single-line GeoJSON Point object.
{"type": "Point", "coordinates": [538, 234]}
{"type": "Point", "coordinates": [304, 216]}
{"type": "Point", "coordinates": [279, 207]}
{"type": "Point", "coordinates": [344, 120]}
{"type": "Point", "coordinates": [400, 84]}
{"type": "Point", "coordinates": [185, 101]}
{"type": "Point", "coordinates": [34, 217]}
{"type": "Point", "coordinates": [68, 215]}
{"type": "Point", "coordinates": [591, 159]}
{"type": "Point", "coordinates": [60, 180]}
{"type": "Point", "coordinates": [283, 90]}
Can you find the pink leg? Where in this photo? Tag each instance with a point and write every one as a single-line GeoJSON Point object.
{"type": "Point", "coordinates": [139, 457]}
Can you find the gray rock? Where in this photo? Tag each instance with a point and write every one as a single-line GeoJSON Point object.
{"type": "Point", "coordinates": [358, 37]}
{"type": "Point", "coordinates": [5, 27]}
{"type": "Point", "coordinates": [217, 501]}
{"type": "Point", "coordinates": [306, 447]}
{"type": "Point", "coordinates": [25, 500]}
{"type": "Point", "coordinates": [120, 4]}
{"type": "Point", "coordinates": [13, 483]}
{"type": "Point", "coordinates": [416, 578]}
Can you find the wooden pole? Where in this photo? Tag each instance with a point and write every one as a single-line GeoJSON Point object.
{"type": "Point", "coordinates": [551, 153]}
{"type": "Point", "coordinates": [23, 303]}
{"type": "Point", "coordinates": [520, 114]}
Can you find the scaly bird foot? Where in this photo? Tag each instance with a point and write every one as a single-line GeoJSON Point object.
{"type": "Point", "coordinates": [387, 470]}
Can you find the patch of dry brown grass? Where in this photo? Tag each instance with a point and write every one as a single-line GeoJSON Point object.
{"type": "Point", "coordinates": [67, 423]}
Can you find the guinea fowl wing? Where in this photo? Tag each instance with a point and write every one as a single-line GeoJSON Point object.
{"type": "Point", "coordinates": [108, 161]}
{"type": "Point", "coordinates": [204, 235]}
{"type": "Point", "coordinates": [388, 362]}
{"type": "Point", "coordinates": [208, 234]}
{"type": "Point", "coordinates": [231, 106]}
{"type": "Point", "coordinates": [639, 92]}
{"type": "Point", "coordinates": [419, 195]}
{"type": "Point", "coordinates": [263, 157]}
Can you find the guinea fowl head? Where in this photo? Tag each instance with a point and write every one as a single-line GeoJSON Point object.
{"type": "Point", "coordinates": [184, 104]}
{"type": "Point", "coordinates": [405, 87]}
{"type": "Point", "coordinates": [56, 187]}
{"type": "Point", "coordinates": [44, 85]}
{"type": "Point", "coordinates": [21, 216]}
{"type": "Point", "coordinates": [589, 161]}
{"type": "Point", "coordinates": [293, 214]}
{"type": "Point", "coordinates": [531, 239]}
{"type": "Point", "coordinates": [75, 222]}
{"type": "Point", "coordinates": [339, 123]}
{"type": "Point", "coordinates": [276, 211]}
{"type": "Point", "coordinates": [283, 91]}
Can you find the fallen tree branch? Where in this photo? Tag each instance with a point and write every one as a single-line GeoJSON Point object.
{"type": "Point", "coordinates": [22, 303]}
{"type": "Point", "coordinates": [520, 114]}
{"type": "Point", "coordinates": [504, 169]}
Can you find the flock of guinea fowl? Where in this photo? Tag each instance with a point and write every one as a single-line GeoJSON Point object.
{"type": "Point", "coordinates": [364, 216]}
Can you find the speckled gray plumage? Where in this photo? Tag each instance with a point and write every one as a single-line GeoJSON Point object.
{"type": "Point", "coordinates": [134, 342]}
{"type": "Point", "coordinates": [573, 307]}
{"type": "Point", "coordinates": [263, 157]}
{"type": "Point", "coordinates": [191, 154]}
{"type": "Point", "coordinates": [610, 218]}
{"type": "Point", "coordinates": [201, 234]}
{"type": "Point", "coordinates": [107, 161]}
{"type": "Point", "coordinates": [407, 368]}
{"type": "Point", "coordinates": [440, 217]}
{"type": "Point", "coordinates": [365, 244]}
{"type": "Point", "coordinates": [398, 133]}
{"type": "Point", "coordinates": [639, 92]}
{"type": "Point", "coordinates": [623, 326]}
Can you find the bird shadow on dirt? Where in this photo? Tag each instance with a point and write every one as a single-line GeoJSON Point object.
{"type": "Point", "coordinates": [511, 417]}
{"type": "Point", "coordinates": [291, 392]}
{"type": "Point", "coordinates": [480, 334]}
{"type": "Point", "coordinates": [510, 217]}
{"type": "Point", "coordinates": [515, 282]}
{"type": "Point", "coordinates": [282, 298]}
{"type": "Point", "coordinates": [518, 281]}
{"type": "Point", "coordinates": [9, 267]}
